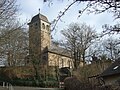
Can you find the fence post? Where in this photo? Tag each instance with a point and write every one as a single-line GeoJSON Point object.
{"type": "Point", "coordinates": [3, 84]}
{"type": "Point", "coordinates": [7, 85]}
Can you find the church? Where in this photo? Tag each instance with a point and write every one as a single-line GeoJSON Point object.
{"type": "Point", "coordinates": [41, 46]}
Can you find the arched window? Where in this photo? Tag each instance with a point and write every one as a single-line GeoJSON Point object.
{"type": "Point", "coordinates": [47, 27]}
{"type": "Point", "coordinates": [35, 24]}
{"type": "Point", "coordinates": [43, 25]}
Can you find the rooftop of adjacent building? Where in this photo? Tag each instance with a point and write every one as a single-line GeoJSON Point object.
{"type": "Point", "coordinates": [56, 49]}
{"type": "Point", "coordinates": [114, 69]}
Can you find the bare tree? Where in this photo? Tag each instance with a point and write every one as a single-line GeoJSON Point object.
{"type": "Point", "coordinates": [92, 6]}
{"type": "Point", "coordinates": [110, 29]}
{"type": "Point", "coordinates": [111, 46]}
{"type": "Point", "coordinates": [99, 6]}
{"type": "Point", "coordinates": [78, 38]}
{"type": "Point", "coordinates": [14, 44]}
{"type": "Point", "coordinates": [8, 9]}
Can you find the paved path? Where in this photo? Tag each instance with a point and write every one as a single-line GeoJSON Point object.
{"type": "Point", "coordinates": [34, 88]}
{"type": "Point", "coordinates": [30, 88]}
{"type": "Point", "coordinates": [2, 88]}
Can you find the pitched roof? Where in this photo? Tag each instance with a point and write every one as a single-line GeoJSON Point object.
{"type": "Point", "coordinates": [59, 50]}
{"type": "Point", "coordinates": [113, 69]}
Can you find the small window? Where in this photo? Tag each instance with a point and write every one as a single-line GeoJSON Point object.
{"type": "Point", "coordinates": [43, 25]}
{"type": "Point", "coordinates": [36, 24]}
{"type": "Point", "coordinates": [47, 27]}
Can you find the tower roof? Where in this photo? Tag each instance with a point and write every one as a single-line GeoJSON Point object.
{"type": "Point", "coordinates": [39, 16]}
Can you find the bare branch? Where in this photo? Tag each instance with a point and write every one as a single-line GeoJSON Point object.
{"type": "Point", "coordinates": [8, 9]}
{"type": "Point", "coordinates": [109, 30]}
{"type": "Point", "coordinates": [93, 6]}
{"type": "Point", "coordinates": [61, 14]}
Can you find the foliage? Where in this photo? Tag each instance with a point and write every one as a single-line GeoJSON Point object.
{"type": "Point", "coordinates": [93, 69]}
{"type": "Point", "coordinates": [72, 83]}
{"type": "Point", "coordinates": [25, 76]}
{"type": "Point", "coordinates": [51, 84]}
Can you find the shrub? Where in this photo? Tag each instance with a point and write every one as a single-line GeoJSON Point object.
{"type": "Point", "coordinates": [51, 84]}
{"type": "Point", "coordinates": [72, 83]}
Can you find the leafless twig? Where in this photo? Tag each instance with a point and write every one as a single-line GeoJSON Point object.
{"type": "Point", "coordinates": [61, 14]}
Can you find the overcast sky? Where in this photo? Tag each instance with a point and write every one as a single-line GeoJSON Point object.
{"type": "Point", "coordinates": [29, 8]}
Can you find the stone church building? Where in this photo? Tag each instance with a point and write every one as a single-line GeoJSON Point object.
{"type": "Point", "coordinates": [41, 46]}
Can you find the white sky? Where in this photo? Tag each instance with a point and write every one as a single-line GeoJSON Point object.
{"type": "Point", "coordinates": [29, 8]}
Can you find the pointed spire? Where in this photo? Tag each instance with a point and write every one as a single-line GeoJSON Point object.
{"type": "Point", "coordinates": [39, 13]}
{"type": "Point", "coordinates": [39, 10]}
{"type": "Point", "coordinates": [45, 1]}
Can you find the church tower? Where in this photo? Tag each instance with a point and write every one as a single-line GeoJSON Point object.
{"type": "Point", "coordinates": [39, 34]}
